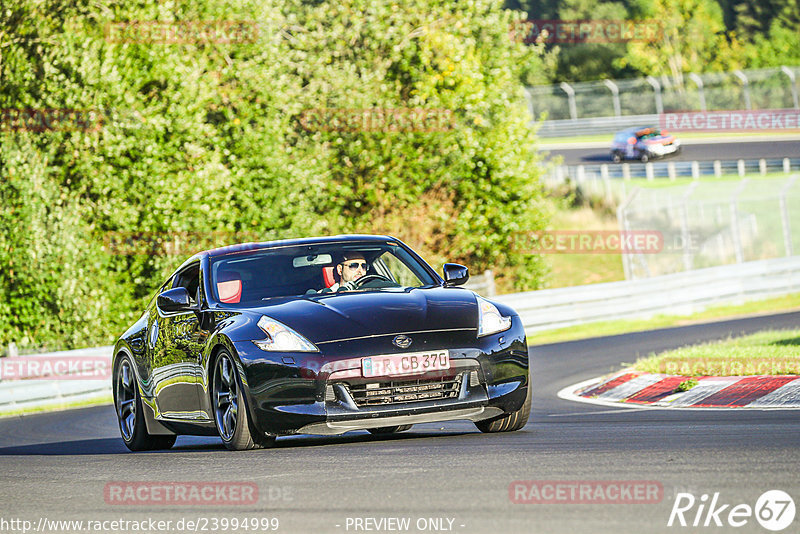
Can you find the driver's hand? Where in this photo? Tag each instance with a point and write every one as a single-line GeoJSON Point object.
{"type": "Point", "coordinates": [348, 286]}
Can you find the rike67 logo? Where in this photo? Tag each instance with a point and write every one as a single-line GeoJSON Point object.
{"type": "Point", "coordinates": [774, 510]}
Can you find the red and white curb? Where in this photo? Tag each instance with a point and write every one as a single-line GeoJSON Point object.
{"type": "Point", "coordinates": [638, 389]}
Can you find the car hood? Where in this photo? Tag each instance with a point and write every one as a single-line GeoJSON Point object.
{"type": "Point", "coordinates": [332, 317]}
{"type": "Point", "coordinates": [660, 140]}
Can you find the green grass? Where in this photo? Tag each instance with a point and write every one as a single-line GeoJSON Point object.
{"type": "Point", "coordinates": [579, 269]}
{"type": "Point", "coordinates": [662, 182]}
{"type": "Point", "coordinates": [773, 352]}
{"type": "Point", "coordinates": [610, 328]}
{"type": "Point", "coordinates": [57, 406]}
{"type": "Point", "coordinates": [686, 385]}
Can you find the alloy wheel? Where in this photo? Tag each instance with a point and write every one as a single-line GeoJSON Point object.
{"type": "Point", "coordinates": [226, 397]}
{"type": "Point", "coordinates": [126, 399]}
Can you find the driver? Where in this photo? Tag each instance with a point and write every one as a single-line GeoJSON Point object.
{"type": "Point", "coordinates": [352, 267]}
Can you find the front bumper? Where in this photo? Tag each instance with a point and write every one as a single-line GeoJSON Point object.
{"type": "Point", "coordinates": [325, 393]}
{"type": "Point", "coordinates": [663, 150]}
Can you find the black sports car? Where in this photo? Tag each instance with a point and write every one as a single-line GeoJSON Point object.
{"type": "Point", "coordinates": [258, 340]}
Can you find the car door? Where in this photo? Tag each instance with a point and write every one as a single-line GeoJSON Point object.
{"type": "Point", "coordinates": [177, 344]}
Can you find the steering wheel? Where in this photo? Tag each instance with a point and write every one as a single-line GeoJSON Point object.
{"type": "Point", "coordinates": [370, 278]}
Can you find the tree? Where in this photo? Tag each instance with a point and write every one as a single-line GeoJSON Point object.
{"type": "Point", "coordinates": [693, 40]}
{"type": "Point", "coordinates": [780, 45]}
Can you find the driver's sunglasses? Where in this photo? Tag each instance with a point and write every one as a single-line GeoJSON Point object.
{"type": "Point", "coordinates": [356, 264]}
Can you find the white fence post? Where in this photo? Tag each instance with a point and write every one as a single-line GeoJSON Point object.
{"type": "Point", "coordinates": [745, 88]}
{"type": "Point", "coordinates": [573, 108]}
{"type": "Point", "coordinates": [785, 221]}
{"type": "Point", "coordinates": [700, 89]}
{"type": "Point", "coordinates": [737, 236]}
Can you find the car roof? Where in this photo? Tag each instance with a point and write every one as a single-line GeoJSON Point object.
{"type": "Point", "coordinates": [246, 247]}
{"type": "Point", "coordinates": [635, 129]}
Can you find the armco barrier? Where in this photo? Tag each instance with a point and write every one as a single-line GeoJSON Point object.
{"type": "Point", "coordinates": [20, 394]}
{"type": "Point", "coordinates": [679, 293]}
{"type": "Point", "coordinates": [592, 125]}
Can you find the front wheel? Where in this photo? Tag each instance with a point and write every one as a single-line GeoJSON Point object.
{"type": "Point", "coordinates": [230, 412]}
{"type": "Point", "coordinates": [128, 405]}
{"type": "Point", "coordinates": [512, 421]}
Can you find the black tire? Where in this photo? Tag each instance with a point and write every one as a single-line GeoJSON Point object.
{"type": "Point", "coordinates": [616, 157]}
{"type": "Point", "coordinates": [230, 410]}
{"type": "Point", "coordinates": [512, 421]}
{"type": "Point", "coordinates": [645, 157]}
{"type": "Point", "coordinates": [389, 429]}
{"type": "Point", "coordinates": [130, 416]}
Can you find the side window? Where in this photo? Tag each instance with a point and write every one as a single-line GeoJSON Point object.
{"type": "Point", "coordinates": [397, 270]}
{"type": "Point", "coordinates": [190, 279]}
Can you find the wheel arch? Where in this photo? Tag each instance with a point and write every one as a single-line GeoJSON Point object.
{"type": "Point", "coordinates": [149, 408]}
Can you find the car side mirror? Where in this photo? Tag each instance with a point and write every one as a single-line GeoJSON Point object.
{"type": "Point", "coordinates": [455, 274]}
{"type": "Point", "coordinates": [174, 300]}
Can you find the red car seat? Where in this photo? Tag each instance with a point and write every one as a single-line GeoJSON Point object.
{"type": "Point", "coordinates": [229, 287]}
{"type": "Point", "coordinates": [327, 276]}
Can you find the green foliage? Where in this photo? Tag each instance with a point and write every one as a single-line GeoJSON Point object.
{"type": "Point", "coordinates": [780, 45]}
{"type": "Point", "coordinates": [700, 36]}
{"type": "Point", "coordinates": [693, 40]}
{"type": "Point", "coordinates": [207, 137]}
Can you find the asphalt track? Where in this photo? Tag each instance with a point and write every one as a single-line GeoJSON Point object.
{"type": "Point", "coordinates": [694, 151]}
{"type": "Point", "coordinates": [57, 465]}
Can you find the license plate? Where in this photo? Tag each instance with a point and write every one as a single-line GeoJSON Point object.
{"type": "Point", "coordinates": [405, 364]}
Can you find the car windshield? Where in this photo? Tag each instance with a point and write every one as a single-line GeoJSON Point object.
{"type": "Point", "coordinates": [311, 270]}
{"type": "Point", "coordinates": [649, 133]}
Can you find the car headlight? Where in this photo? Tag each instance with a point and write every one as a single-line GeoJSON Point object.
{"type": "Point", "coordinates": [282, 338]}
{"type": "Point", "coordinates": [489, 319]}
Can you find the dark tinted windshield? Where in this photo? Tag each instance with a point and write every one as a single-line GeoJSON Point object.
{"type": "Point", "coordinates": [649, 133]}
{"type": "Point", "coordinates": [249, 278]}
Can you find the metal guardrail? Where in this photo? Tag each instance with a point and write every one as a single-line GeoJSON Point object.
{"type": "Point", "coordinates": [592, 125]}
{"type": "Point", "coordinates": [25, 392]}
{"type": "Point", "coordinates": [671, 169]}
{"type": "Point", "coordinates": [680, 293]}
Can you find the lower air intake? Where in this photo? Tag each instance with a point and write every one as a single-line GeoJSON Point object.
{"type": "Point", "coordinates": [401, 392]}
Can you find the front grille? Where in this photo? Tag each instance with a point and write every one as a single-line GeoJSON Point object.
{"type": "Point", "coordinates": [401, 392]}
